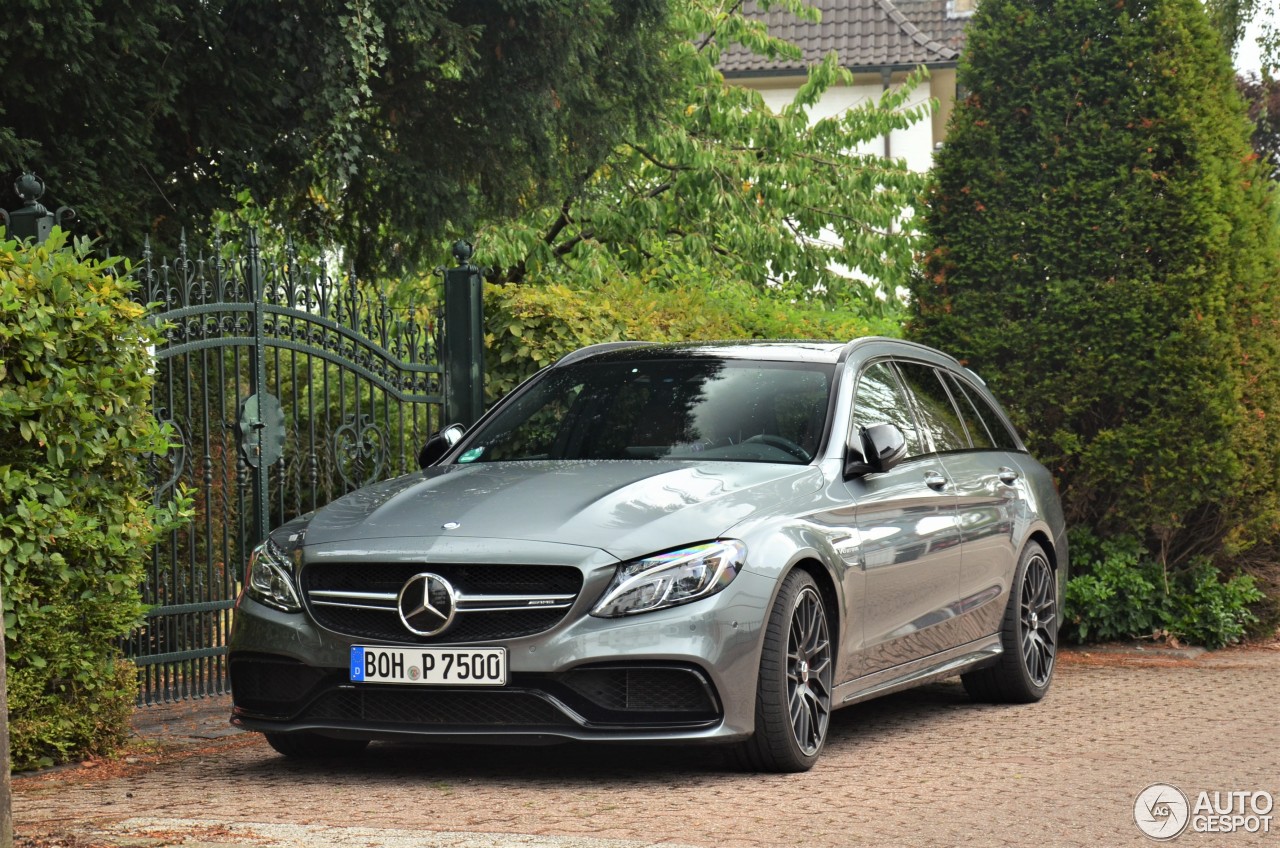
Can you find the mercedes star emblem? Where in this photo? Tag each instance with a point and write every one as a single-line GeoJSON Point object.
{"type": "Point", "coordinates": [427, 604]}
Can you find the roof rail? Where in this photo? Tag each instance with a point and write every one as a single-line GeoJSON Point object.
{"type": "Point", "coordinates": [592, 350]}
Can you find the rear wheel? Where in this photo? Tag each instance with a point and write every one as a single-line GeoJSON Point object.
{"type": "Point", "coordinates": [793, 695]}
{"type": "Point", "coordinates": [1029, 634]}
{"type": "Point", "coordinates": [313, 746]}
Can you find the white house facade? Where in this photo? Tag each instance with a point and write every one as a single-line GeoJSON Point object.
{"type": "Point", "coordinates": [881, 42]}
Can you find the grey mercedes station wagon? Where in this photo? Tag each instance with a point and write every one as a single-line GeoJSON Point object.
{"type": "Point", "coordinates": [667, 544]}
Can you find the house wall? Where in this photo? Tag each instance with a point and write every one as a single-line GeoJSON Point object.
{"type": "Point", "coordinates": [944, 88]}
{"type": "Point", "coordinates": [914, 144]}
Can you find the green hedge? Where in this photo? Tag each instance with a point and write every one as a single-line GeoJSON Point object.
{"type": "Point", "coordinates": [1099, 246]}
{"type": "Point", "coordinates": [76, 518]}
{"type": "Point", "coordinates": [531, 326]}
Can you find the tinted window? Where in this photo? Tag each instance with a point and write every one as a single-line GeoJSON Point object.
{"type": "Point", "coordinates": [880, 399]}
{"type": "Point", "coordinates": [732, 410]}
{"type": "Point", "coordinates": [995, 424]}
{"type": "Point", "coordinates": [938, 414]}
{"type": "Point", "coordinates": [972, 422]}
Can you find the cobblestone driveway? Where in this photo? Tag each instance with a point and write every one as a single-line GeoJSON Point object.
{"type": "Point", "coordinates": [925, 767]}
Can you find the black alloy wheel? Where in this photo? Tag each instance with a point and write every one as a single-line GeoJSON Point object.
{"type": "Point", "coordinates": [793, 696]}
{"type": "Point", "coordinates": [1028, 635]}
{"type": "Point", "coordinates": [1038, 617]}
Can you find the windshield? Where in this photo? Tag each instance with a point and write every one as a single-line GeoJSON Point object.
{"type": "Point", "coordinates": [706, 409]}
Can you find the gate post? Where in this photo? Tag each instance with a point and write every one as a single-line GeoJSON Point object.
{"type": "Point", "coordinates": [33, 220]}
{"type": "Point", "coordinates": [254, 417]}
{"type": "Point", "coordinates": [463, 339]}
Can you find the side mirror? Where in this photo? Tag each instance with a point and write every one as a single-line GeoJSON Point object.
{"type": "Point", "coordinates": [439, 444]}
{"type": "Point", "coordinates": [883, 447]}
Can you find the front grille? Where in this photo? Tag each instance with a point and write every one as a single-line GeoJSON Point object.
{"type": "Point", "coordinates": [499, 710]}
{"type": "Point", "coordinates": [494, 601]}
{"type": "Point", "coordinates": [377, 624]}
{"type": "Point", "coordinates": [659, 690]}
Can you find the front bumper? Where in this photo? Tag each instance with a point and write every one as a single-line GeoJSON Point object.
{"type": "Point", "coordinates": [594, 701]}
{"type": "Point", "coordinates": [683, 674]}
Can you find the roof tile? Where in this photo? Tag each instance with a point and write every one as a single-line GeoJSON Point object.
{"type": "Point", "coordinates": [865, 33]}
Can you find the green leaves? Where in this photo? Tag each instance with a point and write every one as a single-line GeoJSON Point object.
{"type": "Point", "coordinates": [76, 522]}
{"type": "Point", "coordinates": [379, 123]}
{"type": "Point", "coordinates": [528, 327]}
{"type": "Point", "coordinates": [723, 183]}
{"type": "Point", "coordinates": [1125, 593]}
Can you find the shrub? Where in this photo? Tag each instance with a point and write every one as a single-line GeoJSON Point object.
{"type": "Point", "coordinates": [528, 327]}
{"type": "Point", "coordinates": [1120, 598]}
{"type": "Point", "coordinates": [76, 514]}
{"type": "Point", "coordinates": [1125, 594]}
{"type": "Point", "coordinates": [1210, 611]}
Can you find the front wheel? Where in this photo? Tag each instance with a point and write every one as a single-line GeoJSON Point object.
{"type": "Point", "coordinates": [1029, 635]}
{"type": "Point", "coordinates": [793, 695]}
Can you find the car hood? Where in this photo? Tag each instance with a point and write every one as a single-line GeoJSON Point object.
{"type": "Point", "coordinates": [626, 508]}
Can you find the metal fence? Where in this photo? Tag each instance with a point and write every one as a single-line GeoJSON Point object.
{"type": "Point", "coordinates": [286, 386]}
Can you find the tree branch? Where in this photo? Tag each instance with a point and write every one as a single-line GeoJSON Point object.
{"type": "Point", "coordinates": [573, 242]}
{"type": "Point", "coordinates": [653, 160]}
{"type": "Point", "coordinates": [658, 189]}
{"type": "Point", "coordinates": [711, 35]}
{"type": "Point", "coordinates": [516, 273]}
{"type": "Point", "coordinates": [560, 223]}
{"type": "Point", "coordinates": [715, 248]}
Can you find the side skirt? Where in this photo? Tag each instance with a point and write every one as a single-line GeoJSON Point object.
{"type": "Point", "coordinates": [946, 664]}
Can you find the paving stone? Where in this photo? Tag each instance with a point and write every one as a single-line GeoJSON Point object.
{"type": "Point", "coordinates": [924, 767]}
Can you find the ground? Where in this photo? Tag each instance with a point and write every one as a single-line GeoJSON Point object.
{"type": "Point", "coordinates": [924, 767]}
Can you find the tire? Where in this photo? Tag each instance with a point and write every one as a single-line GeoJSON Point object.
{"type": "Point", "coordinates": [1029, 635]}
{"type": "Point", "coordinates": [313, 746]}
{"type": "Point", "coordinates": [793, 694]}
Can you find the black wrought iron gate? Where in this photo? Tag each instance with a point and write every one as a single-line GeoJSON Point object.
{"type": "Point", "coordinates": [286, 386]}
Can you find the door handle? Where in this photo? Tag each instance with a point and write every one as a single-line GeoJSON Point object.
{"type": "Point", "coordinates": [935, 481]}
{"type": "Point", "coordinates": [1007, 475]}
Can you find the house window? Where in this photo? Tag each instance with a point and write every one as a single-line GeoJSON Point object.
{"type": "Point", "coordinates": [961, 8]}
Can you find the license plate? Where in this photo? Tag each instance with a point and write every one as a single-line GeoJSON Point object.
{"type": "Point", "coordinates": [429, 666]}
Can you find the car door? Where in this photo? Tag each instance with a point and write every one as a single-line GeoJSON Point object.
{"type": "Point", "coordinates": [907, 530]}
{"type": "Point", "coordinates": [993, 501]}
{"type": "Point", "coordinates": [985, 482]}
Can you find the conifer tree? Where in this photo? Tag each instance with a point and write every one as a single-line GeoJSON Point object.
{"type": "Point", "coordinates": [1100, 249]}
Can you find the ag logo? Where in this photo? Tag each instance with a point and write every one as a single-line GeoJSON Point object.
{"type": "Point", "coordinates": [1161, 811]}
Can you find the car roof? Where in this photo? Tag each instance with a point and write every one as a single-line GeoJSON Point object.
{"type": "Point", "coordinates": [790, 350]}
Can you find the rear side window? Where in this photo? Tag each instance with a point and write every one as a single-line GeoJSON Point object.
{"type": "Point", "coordinates": [880, 399]}
{"type": "Point", "coordinates": [938, 414]}
{"type": "Point", "coordinates": [972, 422]}
{"type": "Point", "coordinates": [995, 425]}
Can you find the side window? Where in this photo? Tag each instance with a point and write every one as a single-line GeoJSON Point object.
{"type": "Point", "coordinates": [938, 414]}
{"type": "Point", "coordinates": [995, 424]}
{"type": "Point", "coordinates": [880, 399]}
{"type": "Point", "coordinates": [972, 422]}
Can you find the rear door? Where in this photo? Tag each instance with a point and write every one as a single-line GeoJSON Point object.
{"type": "Point", "coordinates": [994, 505]}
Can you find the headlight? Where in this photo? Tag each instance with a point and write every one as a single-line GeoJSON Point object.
{"type": "Point", "coordinates": [665, 580]}
{"type": "Point", "coordinates": [269, 578]}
